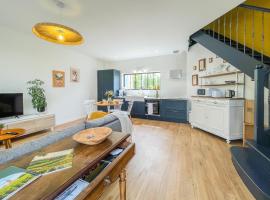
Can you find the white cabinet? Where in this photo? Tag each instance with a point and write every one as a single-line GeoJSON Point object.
{"type": "Point", "coordinates": [222, 117]}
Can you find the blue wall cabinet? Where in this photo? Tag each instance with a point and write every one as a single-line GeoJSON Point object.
{"type": "Point", "coordinates": [107, 80]}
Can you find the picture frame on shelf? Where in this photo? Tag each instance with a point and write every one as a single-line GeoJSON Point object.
{"type": "Point", "coordinates": [195, 79]}
{"type": "Point", "coordinates": [202, 64]}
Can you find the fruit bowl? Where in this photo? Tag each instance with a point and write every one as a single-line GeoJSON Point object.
{"type": "Point", "coordinates": [92, 136]}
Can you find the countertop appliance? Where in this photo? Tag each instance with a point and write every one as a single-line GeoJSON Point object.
{"type": "Point", "coordinates": [217, 93]}
{"type": "Point", "coordinates": [200, 91]}
{"type": "Point", "coordinates": [229, 93]}
{"type": "Point", "coordinates": [152, 107]}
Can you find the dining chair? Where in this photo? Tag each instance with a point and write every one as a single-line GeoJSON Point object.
{"type": "Point", "coordinates": [90, 106]}
{"type": "Point", "coordinates": [119, 105]}
{"type": "Point", "coordinates": [128, 111]}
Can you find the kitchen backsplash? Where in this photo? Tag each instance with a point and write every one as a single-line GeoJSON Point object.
{"type": "Point", "coordinates": [142, 93]}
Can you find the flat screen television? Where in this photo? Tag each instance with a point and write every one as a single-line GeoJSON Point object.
{"type": "Point", "coordinates": [11, 104]}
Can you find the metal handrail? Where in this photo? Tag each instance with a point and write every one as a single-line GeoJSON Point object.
{"type": "Point", "coordinates": [255, 8]}
{"type": "Point", "coordinates": [230, 24]}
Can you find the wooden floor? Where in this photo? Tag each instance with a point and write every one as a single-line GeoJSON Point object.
{"type": "Point", "coordinates": [175, 162]}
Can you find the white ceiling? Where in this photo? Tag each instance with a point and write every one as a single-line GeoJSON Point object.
{"type": "Point", "coordinates": [119, 29]}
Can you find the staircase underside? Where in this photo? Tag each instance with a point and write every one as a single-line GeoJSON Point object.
{"type": "Point", "coordinates": [234, 56]}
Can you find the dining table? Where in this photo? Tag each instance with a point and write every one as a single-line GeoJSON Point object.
{"type": "Point", "coordinates": [108, 104]}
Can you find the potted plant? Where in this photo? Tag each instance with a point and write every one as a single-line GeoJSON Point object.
{"type": "Point", "coordinates": [36, 91]}
{"type": "Point", "coordinates": [109, 95]}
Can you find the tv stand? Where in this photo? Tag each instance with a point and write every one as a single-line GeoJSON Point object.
{"type": "Point", "coordinates": [31, 123]}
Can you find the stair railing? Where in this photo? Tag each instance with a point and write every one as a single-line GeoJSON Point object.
{"type": "Point", "coordinates": [227, 27]}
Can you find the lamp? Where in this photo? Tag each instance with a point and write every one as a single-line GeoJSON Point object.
{"type": "Point", "coordinates": [57, 33]}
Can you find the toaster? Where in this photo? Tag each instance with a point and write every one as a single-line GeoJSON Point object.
{"type": "Point", "coordinates": [200, 91]}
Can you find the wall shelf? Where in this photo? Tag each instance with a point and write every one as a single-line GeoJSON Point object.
{"type": "Point", "coordinates": [221, 74]}
{"type": "Point", "coordinates": [221, 84]}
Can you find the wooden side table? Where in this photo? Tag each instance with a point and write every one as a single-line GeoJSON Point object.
{"type": "Point", "coordinates": [8, 134]}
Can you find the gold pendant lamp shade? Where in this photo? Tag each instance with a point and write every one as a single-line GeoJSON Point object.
{"type": "Point", "coordinates": [57, 33]}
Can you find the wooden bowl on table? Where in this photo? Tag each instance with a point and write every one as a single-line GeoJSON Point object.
{"type": "Point", "coordinates": [92, 136]}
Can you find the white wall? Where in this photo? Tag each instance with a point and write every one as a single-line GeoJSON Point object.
{"type": "Point", "coordinates": [24, 57]}
{"type": "Point", "coordinates": [169, 88]}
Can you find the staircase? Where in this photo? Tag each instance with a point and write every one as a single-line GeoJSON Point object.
{"type": "Point", "coordinates": [237, 38]}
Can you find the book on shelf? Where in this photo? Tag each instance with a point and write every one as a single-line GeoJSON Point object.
{"type": "Point", "coordinates": [51, 162]}
{"type": "Point", "coordinates": [13, 179]}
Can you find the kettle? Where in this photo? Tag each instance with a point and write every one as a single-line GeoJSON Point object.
{"type": "Point", "coordinates": [229, 93]}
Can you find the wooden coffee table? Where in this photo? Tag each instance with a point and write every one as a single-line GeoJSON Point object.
{"type": "Point", "coordinates": [8, 134]}
{"type": "Point", "coordinates": [85, 158]}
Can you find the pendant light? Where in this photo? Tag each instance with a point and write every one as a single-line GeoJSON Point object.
{"type": "Point", "coordinates": [57, 33]}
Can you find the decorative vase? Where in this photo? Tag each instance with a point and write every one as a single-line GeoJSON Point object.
{"type": "Point", "coordinates": [41, 109]}
{"type": "Point", "coordinates": [109, 99]}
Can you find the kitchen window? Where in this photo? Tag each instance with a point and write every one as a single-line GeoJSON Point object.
{"type": "Point", "coordinates": [142, 81]}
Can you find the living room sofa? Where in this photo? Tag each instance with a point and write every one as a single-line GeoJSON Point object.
{"type": "Point", "coordinates": [28, 147]}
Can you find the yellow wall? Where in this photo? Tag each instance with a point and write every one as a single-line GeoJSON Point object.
{"type": "Point", "coordinates": [257, 26]}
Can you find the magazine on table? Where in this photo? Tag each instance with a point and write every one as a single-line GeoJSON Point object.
{"type": "Point", "coordinates": [73, 191]}
{"type": "Point", "coordinates": [13, 179]}
{"type": "Point", "coordinates": [51, 162]}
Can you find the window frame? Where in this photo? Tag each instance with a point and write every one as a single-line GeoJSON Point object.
{"type": "Point", "coordinates": [141, 73]}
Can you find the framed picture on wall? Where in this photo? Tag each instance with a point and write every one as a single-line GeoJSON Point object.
{"type": "Point", "coordinates": [195, 80]}
{"type": "Point", "coordinates": [74, 75]}
{"type": "Point", "coordinates": [58, 78]}
{"type": "Point", "coordinates": [202, 64]}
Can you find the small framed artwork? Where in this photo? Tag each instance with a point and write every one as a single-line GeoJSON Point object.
{"type": "Point", "coordinates": [195, 80]}
{"type": "Point", "coordinates": [74, 75]}
{"type": "Point", "coordinates": [194, 68]}
{"type": "Point", "coordinates": [210, 60]}
{"type": "Point", "coordinates": [58, 78]}
{"type": "Point", "coordinates": [202, 64]}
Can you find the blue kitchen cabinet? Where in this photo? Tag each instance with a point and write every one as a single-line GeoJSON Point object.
{"type": "Point", "coordinates": [107, 80]}
{"type": "Point", "coordinates": [173, 110]}
{"type": "Point", "coordinates": [138, 109]}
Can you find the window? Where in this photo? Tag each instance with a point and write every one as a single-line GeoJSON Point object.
{"type": "Point", "coordinates": [142, 81]}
